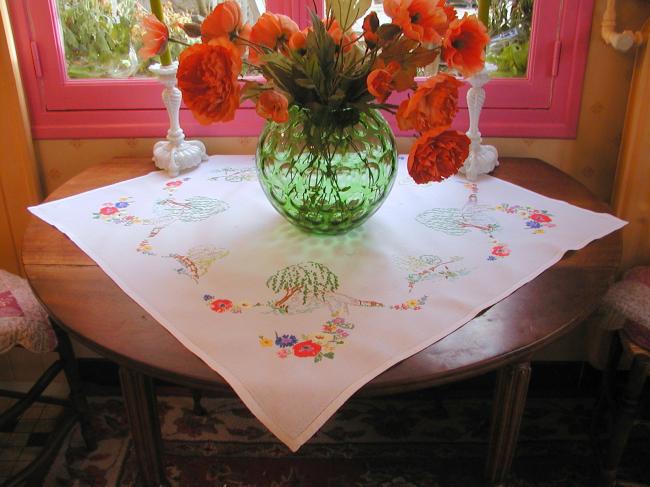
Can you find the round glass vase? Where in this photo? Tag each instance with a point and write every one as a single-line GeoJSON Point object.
{"type": "Point", "coordinates": [327, 174]}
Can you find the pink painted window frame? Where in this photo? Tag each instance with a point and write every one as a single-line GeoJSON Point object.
{"type": "Point", "coordinates": [544, 104]}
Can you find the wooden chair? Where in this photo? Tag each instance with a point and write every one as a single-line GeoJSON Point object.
{"type": "Point", "coordinates": [23, 322]}
{"type": "Point", "coordinates": [628, 313]}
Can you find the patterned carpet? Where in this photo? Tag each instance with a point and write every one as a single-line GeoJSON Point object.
{"type": "Point", "coordinates": [417, 440]}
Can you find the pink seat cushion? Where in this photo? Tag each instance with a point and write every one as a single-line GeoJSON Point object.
{"type": "Point", "coordinates": [631, 298]}
{"type": "Point", "coordinates": [23, 321]}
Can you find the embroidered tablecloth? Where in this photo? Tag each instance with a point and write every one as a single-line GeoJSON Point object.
{"type": "Point", "coordinates": [297, 323]}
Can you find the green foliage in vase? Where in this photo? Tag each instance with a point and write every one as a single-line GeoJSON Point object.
{"type": "Point", "coordinates": [329, 78]}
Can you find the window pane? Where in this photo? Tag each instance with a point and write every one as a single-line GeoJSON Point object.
{"type": "Point", "coordinates": [510, 22]}
{"type": "Point", "coordinates": [101, 37]}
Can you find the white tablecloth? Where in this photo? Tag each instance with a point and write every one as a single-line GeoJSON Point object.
{"type": "Point", "coordinates": [297, 323]}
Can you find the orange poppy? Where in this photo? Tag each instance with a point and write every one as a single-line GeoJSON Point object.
{"type": "Point", "coordinates": [224, 21]}
{"type": "Point", "coordinates": [272, 31]}
{"type": "Point", "coordinates": [421, 20]}
{"type": "Point", "coordinates": [273, 105]}
{"type": "Point", "coordinates": [464, 47]}
{"type": "Point", "coordinates": [155, 38]}
{"type": "Point", "coordinates": [436, 156]}
{"type": "Point", "coordinates": [207, 77]}
{"type": "Point", "coordinates": [433, 105]}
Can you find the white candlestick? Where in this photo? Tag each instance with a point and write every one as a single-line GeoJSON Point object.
{"type": "Point", "coordinates": [482, 158]}
{"type": "Point", "coordinates": [175, 153]}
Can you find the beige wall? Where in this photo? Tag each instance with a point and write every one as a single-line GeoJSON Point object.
{"type": "Point", "coordinates": [590, 158]}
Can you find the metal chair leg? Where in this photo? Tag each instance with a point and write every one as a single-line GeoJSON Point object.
{"type": "Point", "coordinates": [77, 396]}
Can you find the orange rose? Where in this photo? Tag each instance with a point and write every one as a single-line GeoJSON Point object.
{"type": "Point", "coordinates": [207, 76]}
{"type": "Point", "coordinates": [433, 105]}
{"type": "Point", "coordinates": [155, 37]}
{"type": "Point", "coordinates": [464, 47]}
{"type": "Point", "coordinates": [436, 156]}
{"type": "Point", "coordinates": [421, 20]}
{"type": "Point", "coordinates": [380, 81]}
{"type": "Point", "coordinates": [273, 105]}
{"type": "Point", "coordinates": [370, 26]}
{"type": "Point", "coordinates": [272, 31]}
{"type": "Point", "coordinates": [298, 40]}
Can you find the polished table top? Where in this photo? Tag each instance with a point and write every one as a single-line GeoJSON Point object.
{"type": "Point", "coordinates": [99, 314]}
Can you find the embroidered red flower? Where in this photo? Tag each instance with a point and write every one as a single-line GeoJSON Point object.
{"type": "Point", "coordinates": [108, 210]}
{"type": "Point", "coordinates": [174, 184]}
{"type": "Point", "coordinates": [306, 349]}
{"type": "Point", "coordinates": [540, 217]}
{"type": "Point", "coordinates": [500, 251]}
{"type": "Point", "coordinates": [221, 305]}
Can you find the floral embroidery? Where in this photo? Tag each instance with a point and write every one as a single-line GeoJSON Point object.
{"type": "Point", "coordinates": [318, 345]}
{"type": "Point", "coordinates": [172, 186]}
{"type": "Point", "coordinates": [500, 250]}
{"type": "Point", "coordinates": [285, 340]}
{"type": "Point", "coordinates": [411, 304]}
{"type": "Point", "coordinates": [221, 305]}
{"type": "Point", "coordinates": [114, 212]}
{"type": "Point", "coordinates": [534, 219]}
{"type": "Point", "coordinates": [265, 342]}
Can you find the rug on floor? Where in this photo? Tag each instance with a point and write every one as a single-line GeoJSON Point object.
{"type": "Point", "coordinates": [417, 440]}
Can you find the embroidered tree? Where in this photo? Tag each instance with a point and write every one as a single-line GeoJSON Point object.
{"type": "Point", "coordinates": [194, 209]}
{"type": "Point", "coordinates": [312, 279]}
{"type": "Point", "coordinates": [453, 221]}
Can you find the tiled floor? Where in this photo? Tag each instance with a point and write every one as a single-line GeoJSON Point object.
{"type": "Point", "coordinates": [21, 442]}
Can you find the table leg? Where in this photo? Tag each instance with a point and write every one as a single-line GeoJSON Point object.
{"type": "Point", "coordinates": [140, 399]}
{"type": "Point", "coordinates": [507, 411]}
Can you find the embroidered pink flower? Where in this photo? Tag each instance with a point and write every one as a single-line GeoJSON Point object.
{"type": "Point", "coordinates": [500, 251]}
{"type": "Point", "coordinates": [283, 353]}
{"type": "Point", "coordinates": [221, 305]}
{"type": "Point", "coordinates": [108, 210]}
{"type": "Point", "coordinates": [174, 184]}
{"type": "Point", "coordinates": [306, 349]}
{"type": "Point", "coordinates": [540, 217]}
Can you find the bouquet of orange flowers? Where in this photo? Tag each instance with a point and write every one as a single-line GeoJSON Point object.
{"type": "Point", "coordinates": [336, 73]}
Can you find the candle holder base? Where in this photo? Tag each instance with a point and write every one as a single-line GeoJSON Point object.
{"type": "Point", "coordinates": [482, 160]}
{"type": "Point", "coordinates": [175, 158]}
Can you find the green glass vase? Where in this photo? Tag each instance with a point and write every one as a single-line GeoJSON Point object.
{"type": "Point", "coordinates": [327, 173]}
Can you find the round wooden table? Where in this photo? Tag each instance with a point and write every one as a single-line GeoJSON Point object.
{"type": "Point", "coordinates": [87, 303]}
